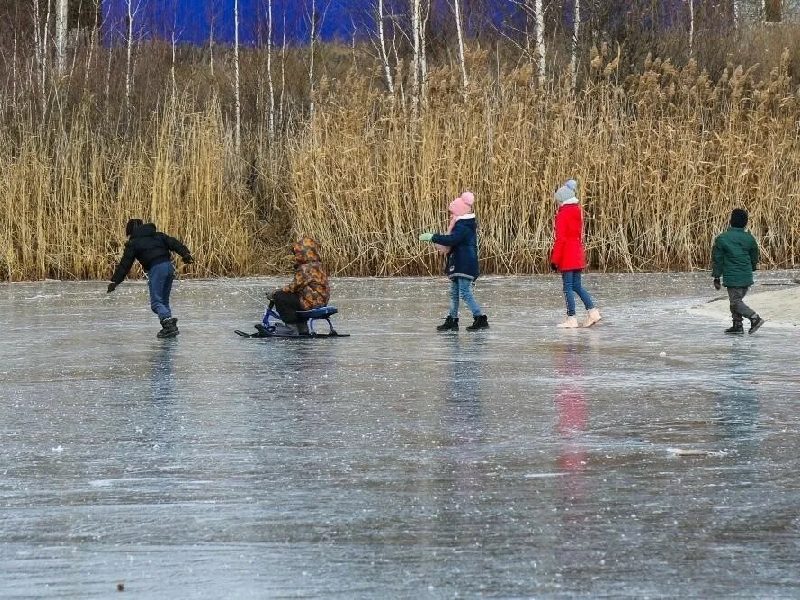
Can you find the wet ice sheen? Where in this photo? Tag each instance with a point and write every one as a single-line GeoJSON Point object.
{"type": "Point", "coordinates": [650, 456]}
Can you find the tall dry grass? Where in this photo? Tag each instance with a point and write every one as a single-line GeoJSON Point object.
{"type": "Point", "coordinates": [662, 153]}
{"type": "Point", "coordinates": [661, 159]}
{"type": "Point", "coordinates": [65, 195]}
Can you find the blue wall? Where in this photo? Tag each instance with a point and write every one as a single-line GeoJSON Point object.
{"type": "Point", "coordinates": [191, 20]}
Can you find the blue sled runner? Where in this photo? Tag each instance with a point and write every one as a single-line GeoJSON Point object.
{"type": "Point", "coordinates": [269, 329]}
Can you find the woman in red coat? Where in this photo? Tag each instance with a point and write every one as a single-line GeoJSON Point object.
{"type": "Point", "coordinates": [568, 256]}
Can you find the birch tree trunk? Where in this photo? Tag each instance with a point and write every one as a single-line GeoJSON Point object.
{"type": "Point", "coordinates": [423, 63]}
{"type": "Point", "coordinates": [270, 84]}
{"type": "Point", "coordinates": [45, 52]}
{"type": "Point", "coordinates": [691, 26]}
{"type": "Point", "coordinates": [129, 55]}
{"type": "Point", "coordinates": [576, 26]}
{"type": "Point", "coordinates": [172, 68]}
{"type": "Point", "coordinates": [736, 12]}
{"type": "Point", "coordinates": [460, 34]}
{"type": "Point", "coordinates": [61, 35]}
{"type": "Point", "coordinates": [416, 19]}
{"type": "Point", "coordinates": [540, 47]}
{"type": "Point", "coordinates": [237, 136]}
{"type": "Point", "coordinates": [311, 57]}
{"type": "Point", "coordinates": [387, 69]}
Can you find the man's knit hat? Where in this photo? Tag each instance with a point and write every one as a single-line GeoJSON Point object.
{"type": "Point", "coordinates": [739, 218]}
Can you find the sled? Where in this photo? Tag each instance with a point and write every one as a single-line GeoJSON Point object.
{"type": "Point", "coordinates": [268, 329]}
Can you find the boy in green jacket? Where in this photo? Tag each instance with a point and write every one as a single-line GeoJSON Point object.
{"type": "Point", "coordinates": [735, 257]}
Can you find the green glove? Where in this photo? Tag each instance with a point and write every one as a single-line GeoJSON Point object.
{"type": "Point", "coordinates": [425, 237]}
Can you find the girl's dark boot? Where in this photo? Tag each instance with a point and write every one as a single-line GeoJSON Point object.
{"type": "Point", "coordinates": [481, 322]}
{"type": "Point", "coordinates": [450, 324]}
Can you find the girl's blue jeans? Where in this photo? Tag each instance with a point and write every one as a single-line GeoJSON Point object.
{"type": "Point", "coordinates": [462, 287]}
{"type": "Point", "coordinates": [572, 286]}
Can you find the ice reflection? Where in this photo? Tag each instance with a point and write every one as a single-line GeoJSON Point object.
{"type": "Point", "coordinates": [736, 407]}
{"type": "Point", "coordinates": [573, 417]}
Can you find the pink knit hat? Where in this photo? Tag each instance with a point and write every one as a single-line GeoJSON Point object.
{"type": "Point", "coordinates": [463, 204]}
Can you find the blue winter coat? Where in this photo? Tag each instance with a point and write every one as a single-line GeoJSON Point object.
{"type": "Point", "coordinates": [462, 261]}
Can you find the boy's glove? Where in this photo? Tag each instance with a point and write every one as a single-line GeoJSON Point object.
{"type": "Point", "coordinates": [425, 237]}
{"type": "Point", "coordinates": [554, 266]}
{"type": "Point", "coordinates": [188, 259]}
{"type": "Point", "coordinates": [111, 287]}
{"type": "Point", "coordinates": [717, 284]}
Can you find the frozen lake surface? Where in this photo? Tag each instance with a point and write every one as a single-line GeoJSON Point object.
{"type": "Point", "coordinates": [651, 456]}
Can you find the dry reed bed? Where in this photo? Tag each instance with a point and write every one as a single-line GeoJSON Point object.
{"type": "Point", "coordinates": [66, 193]}
{"type": "Point", "coordinates": [662, 157]}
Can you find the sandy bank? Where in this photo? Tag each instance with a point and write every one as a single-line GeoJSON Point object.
{"type": "Point", "coordinates": [778, 306]}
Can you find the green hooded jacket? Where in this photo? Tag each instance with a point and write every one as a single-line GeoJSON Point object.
{"type": "Point", "coordinates": [735, 257]}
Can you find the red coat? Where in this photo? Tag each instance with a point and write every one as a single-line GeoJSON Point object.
{"type": "Point", "coordinates": [568, 247]}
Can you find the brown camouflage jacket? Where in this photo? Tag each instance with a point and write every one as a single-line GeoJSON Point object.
{"type": "Point", "coordinates": [310, 281]}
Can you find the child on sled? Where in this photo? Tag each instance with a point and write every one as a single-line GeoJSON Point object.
{"type": "Point", "coordinates": [309, 289]}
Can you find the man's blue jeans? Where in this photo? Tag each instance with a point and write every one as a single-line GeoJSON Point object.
{"type": "Point", "coordinates": [159, 279]}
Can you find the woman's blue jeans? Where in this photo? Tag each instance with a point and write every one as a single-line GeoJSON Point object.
{"type": "Point", "coordinates": [572, 286]}
{"type": "Point", "coordinates": [462, 287]}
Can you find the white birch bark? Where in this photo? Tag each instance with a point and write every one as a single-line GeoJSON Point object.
{"type": "Point", "coordinates": [172, 68]}
{"type": "Point", "coordinates": [61, 36]}
{"type": "Point", "coordinates": [131, 13]}
{"type": "Point", "coordinates": [540, 46]}
{"type": "Point", "coordinates": [211, 45]}
{"type": "Point", "coordinates": [387, 69]}
{"type": "Point", "coordinates": [576, 26]}
{"type": "Point", "coordinates": [416, 21]}
{"type": "Point", "coordinates": [691, 26]}
{"type": "Point", "coordinates": [737, 10]}
{"type": "Point", "coordinates": [423, 62]}
{"type": "Point", "coordinates": [281, 104]}
{"type": "Point", "coordinates": [237, 88]}
{"type": "Point", "coordinates": [460, 34]}
{"type": "Point", "coordinates": [270, 84]}
{"type": "Point", "coordinates": [45, 50]}
{"type": "Point", "coordinates": [311, 57]}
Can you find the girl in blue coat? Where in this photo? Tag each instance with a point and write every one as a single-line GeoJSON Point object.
{"type": "Point", "coordinates": [460, 244]}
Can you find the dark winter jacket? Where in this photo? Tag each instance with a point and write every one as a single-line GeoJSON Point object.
{"type": "Point", "coordinates": [735, 256]}
{"type": "Point", "coordinates": [310, 281]}
{"type": "Point", "coordinates": [150, 247]}
{"type": "Point", "coordinates": [462, 260]}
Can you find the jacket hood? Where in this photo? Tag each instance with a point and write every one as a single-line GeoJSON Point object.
{"type": "Point", "coordinates": [306, 250]}
{"type": "Point", "coordinates": [144, 230]}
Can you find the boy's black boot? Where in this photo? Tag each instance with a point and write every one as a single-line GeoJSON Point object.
{"type": "Point", "coordinates": [302, 327]}
{"type": "Point", "coordinates": [736, 329]}
{"type": "Point", "coordinates": [481, 322]}
{"type": "Point", "coordinates": [450, 324]}
{"type": "Point", "coordinates": [755, 323]}
{"type": "Point", "coordinates": [169, 328]}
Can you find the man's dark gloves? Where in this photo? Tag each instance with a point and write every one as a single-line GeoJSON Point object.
{"type": "Point", "coordinates": [717, 284]}
{"type": "Point", "coordinates": [111, 287]}
{"type": "Point", "coordinates": [188, 259]}
{"type": "Point", "coordinates": [554, 266]}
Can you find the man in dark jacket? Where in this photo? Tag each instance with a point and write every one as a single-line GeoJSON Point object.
{"type": "Point", "coordinates": [735, 256]}
{"type": "Point", "coordinates": [152, 249]}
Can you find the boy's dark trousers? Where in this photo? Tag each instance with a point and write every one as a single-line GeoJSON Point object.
{"type": "Point", "coordinates": [738, 308]}
{"type": "Point", "coordinates": [287, 305]}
